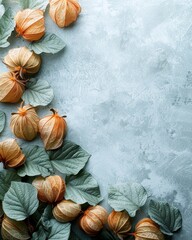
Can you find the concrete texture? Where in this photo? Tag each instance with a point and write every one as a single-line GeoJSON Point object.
{"type": "Point", "coordinates": [125, 83]}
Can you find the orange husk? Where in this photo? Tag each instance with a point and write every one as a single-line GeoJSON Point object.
{"type": "Point", "coordinates": [22, 61]}
{"type": "Point", "coordinates": [24, 123]}
{"type": "Point", "coordinates": [11, 89]}
{"type": "Point", "coordinates": [146, 229]}
{"type": "Point", "coordinates": [64, 12]}
{"type": "Point", "coordinates": [11, 154]}
{"type": "Point", "coordinates": [119, 223]}
{"type": "Point", "coordinates": [50, 189]}
{"type": "Point", "coordinates": [93, 220]}
{"type": "Point", "coordinates": [30, 24]}
{"type": "Point", "coordinates": [66, 211]}
{"type": "Point", "coordinates": [52, 130]}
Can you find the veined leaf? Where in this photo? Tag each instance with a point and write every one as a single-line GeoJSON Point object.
{"type": "Point", "coordinates": [34, 4]}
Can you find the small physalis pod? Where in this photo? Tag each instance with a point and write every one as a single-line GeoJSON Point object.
{"type": "Point", "coordinates": [24, 123]}
{"type": "Point", "coordinates": [50, 189]}
{"type": "Point", "coordinates": [52, 130]}
{"type": "Point", "coordinates": [10, 154]}
{"type": "Point", "coordinates": [64, 12]}
{"type": "Point", "coordinates": [30, 24]}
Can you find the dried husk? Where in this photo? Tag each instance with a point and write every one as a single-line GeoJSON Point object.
{"type": "Point", "coordinates": [13, 230]}
{"type": "Point", "coordinates": [120, 223]}
{"type": "Point", "coordinates": [64, 12]}
{"type": "Point", "coordinates": [24, 123]}
{"type": "Point", "coordinates": [30, 24]}
{"type": "Point", "coordinates": [52, 130]}
{"type": "Point", "coordinates": [93, 220]}
{"type": "Point", "coordinates": [11, 89]}
{"type": "Point", "coordinates": [50, 189]}
{"type": "Point", "coordinates": [146, 229]}
{"type": "Point", "coordinates": [66, 211]}
{"type": "Point", "coordinates": [22, 61]}
{"type": "Point", "coordinates": [11, 154]}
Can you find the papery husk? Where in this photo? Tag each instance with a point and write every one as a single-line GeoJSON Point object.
{"type": "Point", "coordinates": [30, 24]}
{"type": "Point", "coordinates": [22, 61]}
{"type": "Point", "coordinates": [50, 189]}
{"type": "Point", "coordinates": [64, 12]}
{"type": "Point", "coordinates": [11, 154]}
{"type": "Point", "coordinates": [93, 220]}
{"type": "Point", "coordinates": [66, 211]}
{"type": "Point", "coordinates": [120, 223]}
{"type": "Point", "coordinates": [24, 123]}
{"type": "Point", "coordinates": [52, 130]}
{"type": "Point", "coordinates": [11, 89]}
{"type": "Point", "coordinates": [13, 230]}
{"type": "Point", "coordinates": [146, 229]}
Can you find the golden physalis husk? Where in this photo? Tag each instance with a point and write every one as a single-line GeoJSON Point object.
{"type": "Point", "coordinates": [30, 24]}
{"type": "Point", "coordinates": [66, 211]}
{"type": "Point", "coordinates": [13, 230]}
{"type": "Point", "coordinates": [93, 220]}
{"type": "Point", "coordinates": [50, 189]}
{"type": "Point", "coordinates": [64, 12]}
{"type": "Point", "coordinates": [52, 130]}
{"type": "Point", "coordinates": [120, 223]}
{"type": "Point", "coordinates": [11, 154]}
{"type": "Point", "coordinates": [22, 61]}
{"type": "Point", "coordinates": [24, 123]}
{"type": "Point", "coordinates": [11, 89]}
{"type": "Point", "coordinates": [146, 229]}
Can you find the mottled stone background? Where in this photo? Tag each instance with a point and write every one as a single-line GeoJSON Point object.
{"type": "Point", "coordinates": [125, 83]}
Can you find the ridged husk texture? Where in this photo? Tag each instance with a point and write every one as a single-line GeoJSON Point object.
{"type": "Point", "coordinates": [11, 154]}
{"type": "Point", "coordinates": [120, 223]}
{"type": "Point", "coordinates": [50, 189]}
{"type": "Point", "coordinates": [13, 230]}
{"type": "Point", "coordinates": [146, 229]}
{"type": "Point", "coordinates": [66, 211]}
{"type": "Point", "coordinates": [24, 123]}
{"type": "Point", "coordinates": [64, 12]}
{"type": "Point", "coordinates": [11, 89]}
{"type": "Point", "coordinates": [93, 220]}
{"type": "Point", "coordinates": [52, 130]}
{"type": "Point", "coordinates": [30, 24]}
{"type": "Point", "coordinates": [22, 61]}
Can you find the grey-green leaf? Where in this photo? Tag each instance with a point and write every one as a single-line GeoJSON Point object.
{"type": "Point", "coordinates": [34, 4]}
{"type": "Point", "coordinates": [41, 234]}
{"type": "Point", "coordinates": [168, 217]}
{"type": "Point", "coordinates": [38, 93]}
{"type": "Point", "coordinates": [59, 230]}
{"type": "Point", "coordinates": [50, 43]}
{"type": "Point", "coordinates": [20, 201]}
{"type": "Point", "coordinates": [37, 162]}
{"type": "Point", "coordinates": [6, 177]}
{"type": "Point", "coordinates": [7, 25]}
{"type": "Point", "coordinates": [2, 10]}
{"type": "Point", "coordinates": [82, 188]}
{"type": "Point", "coordinates": [129, 197]}
{"type": "Point", "coordinates": [69, 159]}
{"type": "Point", "coordinates": [2, 120]}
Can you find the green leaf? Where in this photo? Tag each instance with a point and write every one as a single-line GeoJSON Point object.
{"type": "Point", "coordinates": [41, 234]}
{"type": "Point", "coordinates": [2, 120]}
{"type": "Point", "coordinates": [69, 159]}
{"type": "Point", "coordinates": [34, 4]}
{"type": "Point", "coordinates": [6, 177]}
{"type": "Point", "coordinates": [129, 197]}
{"type": "Point", "coordinates": [58, 230]}
{"type": "Point", "coordinates": [50, 43]}
{"type": "Point", "coordinates": [20, 201]}
{"type": "Point", "coordinates": [38, 93]}
{"type": "Point", "coordinates": [7, 25]}
{"type": "Point", "coordinates": [2, 10]}
{"type": "Point", "coordinates": [168, 217]}
{"type": "Point", "coordinates": [37, 162]}
{"type": "Point", "coordinates": [82, 188]}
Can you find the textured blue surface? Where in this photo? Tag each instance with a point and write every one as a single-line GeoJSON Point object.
{"type": "Point", "coordinates": [125, 83]}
